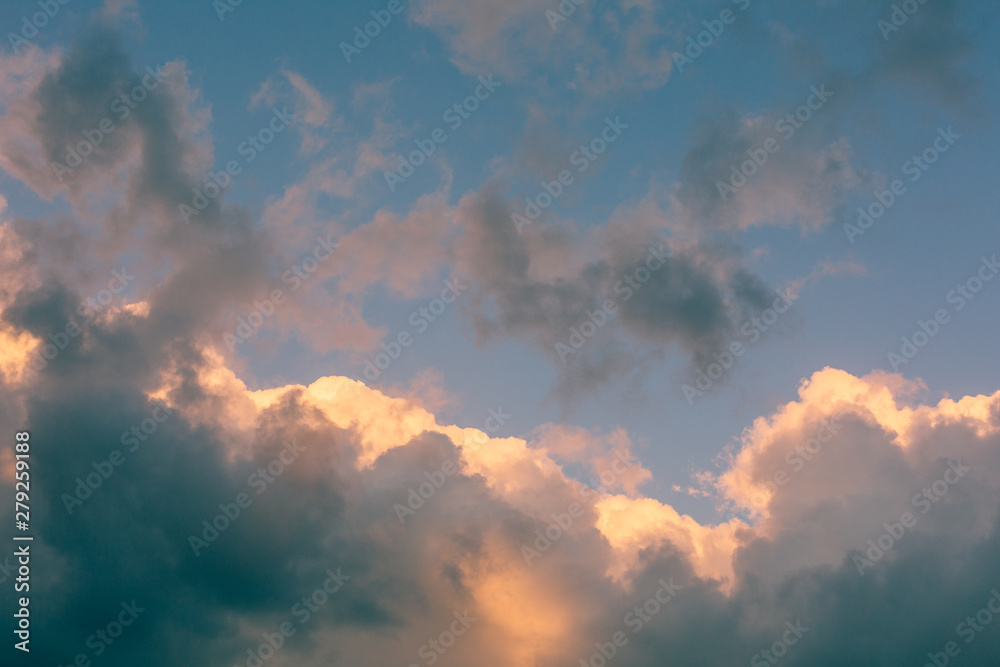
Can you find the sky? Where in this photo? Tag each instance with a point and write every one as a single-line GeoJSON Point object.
{"type": "Point", "coordinates": [499, 326]}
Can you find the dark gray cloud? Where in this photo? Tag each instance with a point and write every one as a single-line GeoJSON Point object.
{"type": "Point", "coordinates": [663, 293]}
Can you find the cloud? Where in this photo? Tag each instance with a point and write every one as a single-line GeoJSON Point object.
{"type": "Point", "coordinates": [124, 11]}
{"type": "Point", "coordinates": [509, 38]}
{"type": "Point", "coordinates": [314, 114]}
{"type": "Point", "coordinates": [722, 187]}
{"type": "Point", "coordinates": [368, 93]}
{"type": "Point", "coordinates": [124, 198]}
{"type": "Point", "coordinates": [538, 286]}
{"type": "Point", "coordinates": [548, 280]}
{"type": "Point", "coordinates": [931, 54]}
{"type": "Point", "coordinates": [816, 167]}
{"type": "Point", "coordinates": [463, 547]}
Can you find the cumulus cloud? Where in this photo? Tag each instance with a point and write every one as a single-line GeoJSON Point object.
{"type": "Point", "coordinates": [471, 545]}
